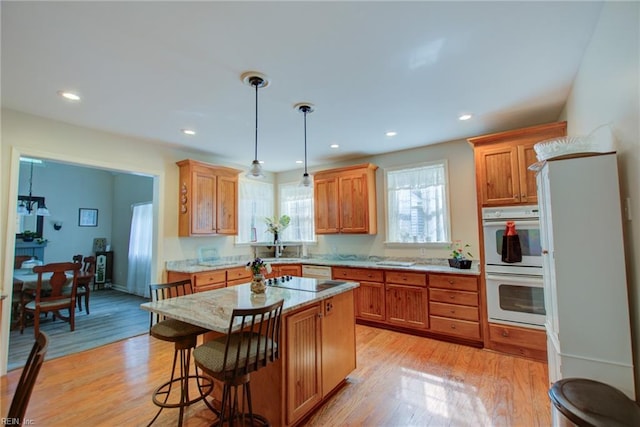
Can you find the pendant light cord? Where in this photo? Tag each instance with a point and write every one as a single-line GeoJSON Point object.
{"type": "Point", "coordinates": [256, 149]}
{"type": "Point", "coordinates": [305, 141]}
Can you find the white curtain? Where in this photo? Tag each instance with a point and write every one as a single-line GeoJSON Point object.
{"type": "Point", "coordinates": [297, 202]}
{"type": "Point", "coordinates": [140, 246]}
{"type": "Point", "coordinates": [417, 204]}
{"type": "Point", "coordinates": [255, 203]}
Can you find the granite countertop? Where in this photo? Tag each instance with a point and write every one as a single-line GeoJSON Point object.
{"type": "Point", "coordinates": [193, 266]}
{"type": "Point", "coordinates": [212, 309]}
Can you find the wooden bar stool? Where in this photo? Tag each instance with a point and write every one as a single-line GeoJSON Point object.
{"type": "Point", "coordinates": [184, 336]}
{"type": "Point", "coordinates": [231, 358]}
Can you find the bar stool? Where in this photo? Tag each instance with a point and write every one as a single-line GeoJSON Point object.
{"type": "Point", "coordinates": [588, 403]}
{"type": "Point", "coordinates": [184, 336]}
{"type": "Point", "coordinates": [231, 358]}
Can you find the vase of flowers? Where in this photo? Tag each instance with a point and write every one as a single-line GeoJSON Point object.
{"type": "Point", "coordinates": [258, 268]}
{"type": "Point", "coordinates": [459, 253]}
{"type": "Point", "coordinates": [276, 226]}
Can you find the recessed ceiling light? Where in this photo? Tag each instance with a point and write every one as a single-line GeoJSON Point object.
{"type": "Point", "coordinates": [334, 146]}
{"type": "Point", "coordinates": [465, 117]}
{"type": "Point", "coordinates": [188, 131]}
{"type": "Point", "coordinates": [299, 162]}
{"type": "Point", "coordinates": [391, 133]}
{"type": "Point", "coordinates": [69, 95]}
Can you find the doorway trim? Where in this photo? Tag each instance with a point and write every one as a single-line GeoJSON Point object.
{"type": "Point", "coordinates": [158, 201]}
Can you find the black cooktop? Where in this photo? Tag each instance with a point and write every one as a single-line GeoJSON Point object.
{"type": "Point", "coordinates": [303, 283]}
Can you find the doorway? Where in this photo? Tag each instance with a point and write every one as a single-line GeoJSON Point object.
{"type": "Point", "coordinates": [111, 194]}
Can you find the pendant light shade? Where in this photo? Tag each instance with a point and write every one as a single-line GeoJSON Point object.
{"type": "Point", "coordinates": [305, 109]}
{"type": "Point", "coordinates": [256, 80]}
{"type": "Point", "coordinates": [27, 208]}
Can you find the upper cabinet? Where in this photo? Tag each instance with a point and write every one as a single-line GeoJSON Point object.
{"type": "Point", "coordinates": [502, 161]}
{"type": "Point", "coordinates": [345, 200]}
{"type": "Point", "coordinates": [207, 200]}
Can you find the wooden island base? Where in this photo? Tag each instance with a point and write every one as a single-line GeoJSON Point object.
{"type": "Point", "coordinates": [319, 352]}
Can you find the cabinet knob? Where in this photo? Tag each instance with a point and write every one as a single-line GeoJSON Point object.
{"type": "Point", "coordinates": [524, 196]}
{"type": "Point", "coordinates": [505, 333]}
{"type": "Point", "coordinates": [453, 326]}
{"type": "Point", "coordinates": [545, 252]}
{"type": "Point", "coordinates": [452, 311]}
{"type": "Point", "coordinates": [452, 296]}
{"type": "Point", "coordinates": [451, 282]}
{"type": "Point", "coordinates": [515, 196]}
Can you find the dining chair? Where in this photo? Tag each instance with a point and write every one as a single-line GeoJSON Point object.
{"type": "Point", "coordinates": [27, 380]}
{"type": "Point", "coordinates": [85, 277]}
{"type": "Point", "coordinates": [50, 295]}
{"type": "Point", "coordinates": [232, 357]}
{"type": "Point", "coordinates": [19, 259]}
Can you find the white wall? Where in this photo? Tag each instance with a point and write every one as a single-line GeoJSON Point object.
{"type": "Point", "coordinates": [462, 195]}
{"type": "Point", "coordinates": [606, 90]}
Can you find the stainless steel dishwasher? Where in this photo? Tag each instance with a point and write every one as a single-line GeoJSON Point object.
{"type": "Point", "coordinates": [316, 271]}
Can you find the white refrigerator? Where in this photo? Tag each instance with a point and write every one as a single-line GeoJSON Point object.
{"type": "Point", "coordinates": [585, 284]}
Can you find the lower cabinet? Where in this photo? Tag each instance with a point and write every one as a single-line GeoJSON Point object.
{"type": "Point", "coordinates": [454, 306]}
{"type": "Point", "coordinates": [238, 276]}
{"type": "Point", "coordinates": [279, 270]}
{"type": "Point", "coordinates": [370, 295]}
{"type": "Point", "coordinates": [320, 352]}
{"type": "Point", "coordinates": [304, 358]}
{"type": "Point", "coordinates": [525, 342]}
{"type": "Point", "coordinates": [406, 306]}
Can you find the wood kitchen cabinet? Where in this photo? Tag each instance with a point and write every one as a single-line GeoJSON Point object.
{"type": "Point", "coordinates": [370, 296]}
{"type": "Point", "coordinates": [238, 276]}
{"type": "Point", "coordinates": [207, 199]}
{"type": "Point", "coordinates": [280, 270]}
{"type": "Point", "coordinates": [345, 200]}
{"type": "Point", "coordinates": [502, 161]}
{"type": "Point", "coordinates": [406, 299]}
{"type": "Point", "coordinates": [454, 306]}
{"type": "Point", "coordinates": [304, 358]}
{"type": "Point", "coordinates": [338, 340]}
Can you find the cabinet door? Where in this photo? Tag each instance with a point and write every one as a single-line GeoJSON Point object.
{"type": "Point", "coordinates": [290, 270]}
{"type": "Point", "coordinates": [326, 205]}
{"type": "Point", "coordinates": [528, 189]}
{"type": "Point", "coordinates": [338, 341]}
{"type": "Point", "coordinates": [499, 179]}
{"type": "Point", "coordinates": [203, 214]}
{"type": "Point", "coordinates": [407, 306]}
{"type": "Point", "coordinates": [354, 208]}
{"type": "Point", "coordinates": [304, 359]}
{"type": "Point", "coordinates": [227, 207]}
{"type": "Point", "coordinates": [370, 301]}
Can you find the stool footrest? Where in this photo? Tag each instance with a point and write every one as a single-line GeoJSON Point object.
{"type": "Point", "coordinates": [205, 387]}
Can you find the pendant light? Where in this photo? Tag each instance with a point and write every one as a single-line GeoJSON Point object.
{"type": "Point", "coordinates": [305, 109]}
{"type": "Point", "coordinates": [27, 208]}
{"type": "Point", "coordinates": [256, 80]}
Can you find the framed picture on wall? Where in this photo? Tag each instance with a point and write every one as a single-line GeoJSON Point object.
{"type": "Point", "coordinates": [88, 217]}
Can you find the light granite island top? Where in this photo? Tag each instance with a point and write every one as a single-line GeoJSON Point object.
{"type": "Point", "coordinates": [212, 309]}
{"type": "Point", "coordinates": [317, 338]}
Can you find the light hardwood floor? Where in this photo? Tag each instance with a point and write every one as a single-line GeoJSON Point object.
{"type": "Point", "coordinates": [401, 380]}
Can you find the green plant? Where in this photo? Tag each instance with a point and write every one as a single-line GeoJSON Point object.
{"type": "Point", "coordinates": [28, 233]}
{"type": "Point", "coordinates": [459, 251]}
{"type": "Point", "coordinates": [259, 266]}
{"type": "Point", "coordinates": [275, 225]}
{"type": "Point", "coordinates": [41, 240]}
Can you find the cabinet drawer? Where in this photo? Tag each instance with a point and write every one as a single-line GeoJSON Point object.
{"type": "Point", "coordinates": [462, 312]}
{"type": "Point", "coordinates": [454, 297]}
{"type": "Point", "coordinates": [461, 328]}
{"type": "Point", "coordinates": [459, 283]}
{"type": "Point", "coordinates": [406, 278]}
{"type": "Point", "coordinates": [521, 337]}
{"type": "Point", "coordinates": [210, 287]}
{"type": "Point", "coordinates": [209, 278]}
{"type": "Point", "coordinates": [238, 273]}
{"type": "Point", "coordinates": [358, 274]}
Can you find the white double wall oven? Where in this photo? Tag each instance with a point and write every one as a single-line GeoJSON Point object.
{"type": "Point", "coordinates": [515, 290]}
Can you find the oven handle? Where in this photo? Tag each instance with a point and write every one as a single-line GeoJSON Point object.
{"type": "Point", "coordinates": [534, 280]}
{"type": "Point", "coordinates": [503, 221]}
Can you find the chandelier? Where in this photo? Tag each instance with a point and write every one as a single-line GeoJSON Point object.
{"type": "Point", "coordinates": [26, 207]}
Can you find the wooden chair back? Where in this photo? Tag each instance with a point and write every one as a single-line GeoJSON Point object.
{"type": "Point", "coordinates": [163, 291]}
{"type": "Point", "coordinates": [27, 380]}
{"type": "Point", "coordinates": [58, 281]}
{"type": "Point", "coordinates": [77, 258]}
{"type": "Point", "coordinates": [256, 342]}
{"type": "Point", "coordinates": [19, 259]}
{"type": "Point", "coordinates": [89, 266]}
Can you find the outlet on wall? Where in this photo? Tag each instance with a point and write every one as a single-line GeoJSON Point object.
{"type": "Point", "coordinates": [423, 251]}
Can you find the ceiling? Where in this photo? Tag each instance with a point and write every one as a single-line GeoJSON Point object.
{"type": "Point", "coordinates": [149, 69]}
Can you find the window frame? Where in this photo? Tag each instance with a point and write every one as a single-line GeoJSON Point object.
{"type": "Point", "coordinates": [295, 183]}
{"type": "Point", "coordinates": [242, 180]}
{"type": "Point", "coordinates": [434, 245]}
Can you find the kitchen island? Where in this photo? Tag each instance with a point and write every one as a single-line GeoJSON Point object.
{"type": "Point", "coordinates": [318, 337]}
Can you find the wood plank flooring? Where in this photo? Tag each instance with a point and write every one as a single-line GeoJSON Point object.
{"type": "Point", "coordinates": [114, 316]}
{"type": "Point", "coordinates": [401, 380]}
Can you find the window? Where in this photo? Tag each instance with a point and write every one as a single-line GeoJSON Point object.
{"type": "Point", "coordinates": [255, 203]}
{"type": "Point", "coordinates": [417, 204]}
{"type": "Point", "coordinates": [297, 202]}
